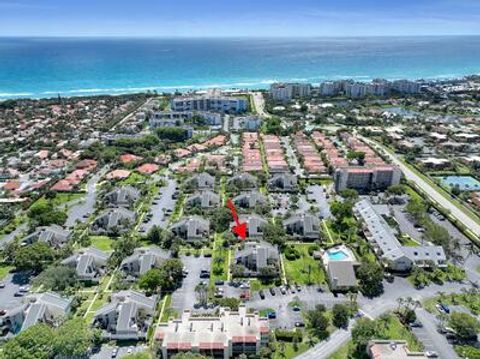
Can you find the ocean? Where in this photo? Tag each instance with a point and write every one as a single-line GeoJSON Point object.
{"type": "Point", "coordinates": [45, 67]}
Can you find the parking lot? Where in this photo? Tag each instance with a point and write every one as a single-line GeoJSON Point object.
{"type": "Point", "coordinates": [316, 193]}
{"type": "Point", "coordinates": [185, 297]}
{"type": "Point", "coordinates": [13, 282]}
{"type": "Point", "coordinates": [162, 203]}
{"type": "Point", "coordinates": [431, 339]}
{"type": "Point", "coordinates": [106, 351]}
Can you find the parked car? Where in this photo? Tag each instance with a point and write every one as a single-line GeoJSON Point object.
{"type": "Point", "coordinates": [272, 291]}
{"type": "Point", "coordinates": [283, 290]}
{"type": "Point", "coordinates": [271, 315]}
{"type": "Point", "coordinates": [431, 354]}
{"type": "Point", "coordinates": [299, 324]}
{"type": "Point", "coordinates": [114, 352]}
{"type": "Point", "coordinates": [261, 294]}
{"type": "Point", "coordinates": [296, 308]}
{"type": "Point", "coordinates": [2, 284]}
{"type": "Point", "coordinates": [416, 325]}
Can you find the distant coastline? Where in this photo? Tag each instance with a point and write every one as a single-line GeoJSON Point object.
{"type": "Point", "coordinates": [184, 89]}
{"type": "Point", "coordinates": [46, 67]}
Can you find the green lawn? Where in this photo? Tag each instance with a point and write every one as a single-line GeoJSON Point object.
{"type": "Point", "coordinates": [287, 350]}
{"type": "Point", "coordinates": [219, 270]}
{"type": "Point", "coordinates": [168, 311]}
{"type": "Point", "coordinates": [256, 285]}
{"type": "Point", "coordinates": [408, 241]}
{"type": "Point", "coordinates": [62, 198]}
{"type": "Point", "coordinates": [470, 301]}
{"type": "Point", "coordinates": [304, 270]}
{"type": "Point", "coordinates": [4, 270]}
{"type": "Point", "coordinates": [103, 243]}
{"type": "Point", "coordinates": [134, 178]}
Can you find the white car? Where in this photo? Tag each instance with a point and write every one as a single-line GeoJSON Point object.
{"type": "Point", "coordinates": [431, 354]}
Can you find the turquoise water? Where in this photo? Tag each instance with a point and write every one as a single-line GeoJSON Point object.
{"type": "Point", "coordinates": [44, 67]}
{"type": "Point", "coordinates": [337, 256]}
{"type": "Point", "coordinates": [465, 183]}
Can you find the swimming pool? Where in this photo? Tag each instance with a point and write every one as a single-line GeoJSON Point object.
{"type": "Point", "coordinates": [464, 183]}
{"type": "Point", "coordinates": [337, 255]}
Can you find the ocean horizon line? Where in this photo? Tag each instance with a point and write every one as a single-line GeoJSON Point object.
{"type": "Point", "coordinates": [258, 85]}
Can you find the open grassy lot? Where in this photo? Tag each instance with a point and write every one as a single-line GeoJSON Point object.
{"type": "Point", "coordinates": [286, 350]}
{"type": "Point", "coordinates": [168, 311]}
{"type": "Point", "coordinates": [103, 243]}
{"type": "Point", "coordinates": [4, 270]}
{"type": "Point", "coordinates": [62, 198]}
{"type": "Point", "coordinates": [303, 270]}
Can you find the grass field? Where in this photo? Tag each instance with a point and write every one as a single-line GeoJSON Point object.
{"type": "Point", "coordinates": [4, 270]}
{"type": "Point", "coordinates": [304, 270]}
{"type": "Point", "coordinates": [103, 243]}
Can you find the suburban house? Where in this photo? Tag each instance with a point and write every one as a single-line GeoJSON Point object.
{"type": "Point", "coordinates": [226, 335]}
{"type": "Point", "coordinates": [386, 246]}
{"type": "Point", "coordinates": [123, 196]}
{"type": "Point", "coordinates": [48, 307]}
{"type": "Point", "coordinates": [143, 259]}
{"type": "Point", "coordinates": [53, 235]}
{"type": "Point", "coordinates": [255, 225]}
{"type": "Point", "coordinates": [243, 181]}
{"type": "Point", "coordinates": [255, 256]}
{"type": "Point", "coordinates": [303, 225]}
{"type": "Point", "coordinates": [113, 220]}
{"type": "Point", "coordinates": [201, 181]}
{"type": "Point", "coordinates": [283, 182]}
{"type": "Point", "coordinates": [192, 228]}
{"type": "Point", "coordinates": [250, 199]}
{"type": "Point", "coordinates": [204, 199]}
{"type": "Point", "coordinates": [89, 263]}
{"type": "Point", "coordinates": [127, 316]}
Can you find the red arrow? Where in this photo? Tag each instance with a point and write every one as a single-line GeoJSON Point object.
{"type": "Point", "coordinates": [240, 229]}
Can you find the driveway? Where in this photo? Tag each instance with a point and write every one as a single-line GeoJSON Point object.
{"type": "Point", "coordinates": [164, 202]}
{"type": "Point", "coordinates": [430, 338]}
{"type": "Point", "coordinates": [292, 157]}
{"type": "Point", "coordinates": [17, 231]}
{"type": "Point", "coordinates": [185, 297]}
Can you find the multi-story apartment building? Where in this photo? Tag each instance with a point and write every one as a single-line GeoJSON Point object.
{"type": "Point", "coordinates": [287, 91]}
{"type": "Point", "coordinates": [366, 178]}
{"type": "Point", "coordinates": [227, 335]}
{"type": "Point", "coordinates": [210, 102]}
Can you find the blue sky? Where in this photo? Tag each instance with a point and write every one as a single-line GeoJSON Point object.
{"type": "Point", "coordinates": [202, 18]}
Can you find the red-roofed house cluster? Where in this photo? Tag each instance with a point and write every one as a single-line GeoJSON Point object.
{"type": "Point", "coordinates": [274, 154]}
{"type": "Point", "coordinates": [252, 158]}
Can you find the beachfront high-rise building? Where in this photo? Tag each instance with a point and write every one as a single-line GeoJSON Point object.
{"type": "Point", "coordinates": [406, 86]}
{"type": "Point", "coordinates": [287, 91]}
{"type": "Point", "coordinates": [210, 102]}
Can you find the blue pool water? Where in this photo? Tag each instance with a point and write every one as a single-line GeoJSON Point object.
{"type": "Point", "coordinates": [465, 183]}
{"type": "Point", "coordinates": [337, 256]}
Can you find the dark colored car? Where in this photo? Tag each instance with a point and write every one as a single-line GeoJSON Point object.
{"type": "Point", "coordinates": [261, 294]}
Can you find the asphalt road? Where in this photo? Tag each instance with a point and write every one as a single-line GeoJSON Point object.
{"type": "Point", "coordinates": [259, 104]}
{"type": "Point", "coordinates": [374, 308]}
{"type": "Point", "coordinates": [430, 190]}
{"type": "Point", "coordinates": [85, 208]}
